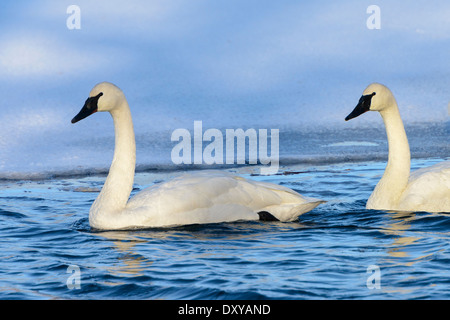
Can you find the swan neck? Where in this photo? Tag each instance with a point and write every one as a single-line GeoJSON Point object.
{"type": "Point", "coordinates": [396, 175]}
{"type": "Point", "coordinates": [399, 154]}
{"type": "Point", "coordinates": [119, 183]}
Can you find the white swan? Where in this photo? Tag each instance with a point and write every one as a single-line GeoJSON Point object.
{"type": "Point", "coordinates": [427, 189]}
{"type": "Point", "coordinates": [206, 197]}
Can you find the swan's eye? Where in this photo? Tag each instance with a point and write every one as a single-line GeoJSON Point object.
{"type": "Point", "coordinates": [367, 101]}
{"type": "Point", "coordinates": [92, 102]}
{"type": "Point", "coordinates": [97, 97]}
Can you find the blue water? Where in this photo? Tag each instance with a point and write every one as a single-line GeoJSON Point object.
{"type": "Point", "coordinates": [296, 66]}
{"type": "Point", "coordinates": [326, 254]}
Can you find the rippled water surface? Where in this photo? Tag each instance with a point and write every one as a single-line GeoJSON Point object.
{"type": "Point", "coordinates": [294, 66]}
{"type": "Point", "coordinates": [46, 246]}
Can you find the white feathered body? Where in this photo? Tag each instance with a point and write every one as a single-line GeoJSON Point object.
{"type": "Point", "coordinates": [428, 189]}
{"type": "Point", "coordinates": [206, 197]}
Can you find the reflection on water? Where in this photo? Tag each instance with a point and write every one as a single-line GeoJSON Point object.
{"type": "Point", "coordinates": [129, 263]}
{"type": "Point", "coordinates": [412, 247]}
{"type": "Point", "coordinates": [398, 226]}
{"type": "Point", "coordinates": [219, 238]}
{"type": "Point", "coordinates": [45, 228]}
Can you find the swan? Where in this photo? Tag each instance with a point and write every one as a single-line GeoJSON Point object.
{"type": "Point", "coordinates": [205, 197]}
{"type": "Point", "coordinates": [426, 189]}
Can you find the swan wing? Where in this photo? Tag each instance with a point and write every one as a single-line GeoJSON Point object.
{"type": "Point", "coordinates": [215, 196]}
{"type": "Point", "coordinates": [428, 189]}
{"type": "Point", "coordinates": [283, 203]}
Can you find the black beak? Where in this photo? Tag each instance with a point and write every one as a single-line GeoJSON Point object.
{"type": "Point", "coordinates": [90, 107]}
{"type": "Point", "coordinates": [362, 106]}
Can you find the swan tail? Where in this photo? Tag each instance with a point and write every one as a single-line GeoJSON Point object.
{"type": "Point", "coordinates": [291, 211]}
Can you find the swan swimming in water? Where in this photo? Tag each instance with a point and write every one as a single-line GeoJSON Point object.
{"type": "Point", "coordinates": [427, 189]}
{"type": "Point", "coordinates": [205, 197]}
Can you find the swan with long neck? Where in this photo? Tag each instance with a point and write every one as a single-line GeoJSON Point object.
{"type": "Point", "coordinates": [205, 197]}
{"type": "Point", "coordinates": [427, 189]}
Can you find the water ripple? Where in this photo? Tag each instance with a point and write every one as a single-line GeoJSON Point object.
{"type": "Point", "coordinates": [325, 255]}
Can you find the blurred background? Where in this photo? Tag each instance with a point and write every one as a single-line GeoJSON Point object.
{"type": "Point", "coordinates": [293, 65]}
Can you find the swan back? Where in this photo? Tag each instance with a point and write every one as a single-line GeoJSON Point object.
{"type": "Point", "coordinates": [428, 189]}
{"type": "Point", "coordinates": [214, 196]}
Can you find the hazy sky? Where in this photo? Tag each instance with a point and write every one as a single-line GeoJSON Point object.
{"type": "Point", "coordinates": [227, 63]}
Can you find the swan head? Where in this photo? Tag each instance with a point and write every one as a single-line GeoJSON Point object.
{"type": "Point", "coordinates": [104, 96]}
{"type": "Point", "coordinates": [376, 97]}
